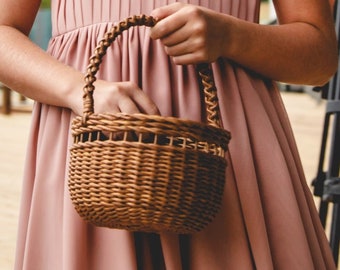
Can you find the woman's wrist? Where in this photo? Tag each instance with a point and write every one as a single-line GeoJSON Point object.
{"type": "Point", "coordinates": [72, 91]}
{"type": "Point", "coordinates": [234, 39]}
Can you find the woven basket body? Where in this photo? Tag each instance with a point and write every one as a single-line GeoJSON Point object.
{"type": "Point", "coordinates": [147, 172]}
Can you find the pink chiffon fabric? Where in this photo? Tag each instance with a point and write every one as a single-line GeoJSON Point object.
{"type": "Point", "coordinates": [268, 218]}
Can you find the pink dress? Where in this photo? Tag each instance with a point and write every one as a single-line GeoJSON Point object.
{"type": "Point", "coordinates": [268, 218]}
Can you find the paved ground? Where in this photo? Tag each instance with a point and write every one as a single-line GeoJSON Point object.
{"type": "Point", "coordinates": [306, 114]}
{"type": "Point", "coordinates": [13, 136]}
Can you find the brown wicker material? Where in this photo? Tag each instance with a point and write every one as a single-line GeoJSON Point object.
{"type": "Point", "coordinates": [146, 172]}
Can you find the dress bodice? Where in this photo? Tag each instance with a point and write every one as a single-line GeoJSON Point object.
{"type": "Point", "coordinates": [72, 14]}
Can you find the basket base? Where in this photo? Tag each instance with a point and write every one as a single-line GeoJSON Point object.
{"type": "Point", "coordinates": [136, 190]}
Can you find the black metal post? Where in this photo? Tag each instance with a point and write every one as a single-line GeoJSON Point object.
{"type": "Point", "coordinates": [327, 183]}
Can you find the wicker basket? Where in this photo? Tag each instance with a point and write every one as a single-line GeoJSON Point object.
{"type": "Point", "coordinates": [146, 172]}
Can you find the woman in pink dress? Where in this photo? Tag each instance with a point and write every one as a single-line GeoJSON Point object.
{"type": "Point", "coordinates": [268, 219]}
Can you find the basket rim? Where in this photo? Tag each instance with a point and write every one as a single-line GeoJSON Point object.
{"type": "Point", "coordinates": [140, 122]}
{"type": "Point", "coordinates": [77, 121]}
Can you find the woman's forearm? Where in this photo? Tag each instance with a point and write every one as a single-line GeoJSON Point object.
{"type": "Point", "coordinates": [294, 53]}
{"type": "Point", "coordinates": [30, 71]}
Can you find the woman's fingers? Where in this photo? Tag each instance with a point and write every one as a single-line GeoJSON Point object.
{"type": "Point", "coordinates": [124, 97]}
{"type": "Point", "coordinates": [190, 34]}
{"type": "Point", "coordinates": [144, 103]}
{"type": "Point", "coordinates": [127, 105]}
{"type": "Point", "coordinates": [169, 19]}
{"type": "Point", "coordinates": [165, 11]}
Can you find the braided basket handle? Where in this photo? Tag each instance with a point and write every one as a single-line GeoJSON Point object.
{"type": "Point", "coordinates": [210, 92]}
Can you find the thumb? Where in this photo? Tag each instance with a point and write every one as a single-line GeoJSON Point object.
{"type": "Point", "coordinates": [165, 11]}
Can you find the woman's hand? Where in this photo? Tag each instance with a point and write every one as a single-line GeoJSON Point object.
{"type": "Point", "coordinates": [190, 34]}
{"type": "Point", "coordinates": [302, 49]}
{"type": "Point", "coordinates": [115, 97]}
